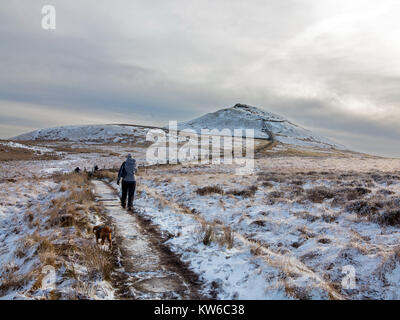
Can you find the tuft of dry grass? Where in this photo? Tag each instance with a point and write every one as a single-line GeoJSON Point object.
{"type": "Point", "coordinates": [276, 194]}
{"type": "Point", "coordinates": [268, 177]}
{"type": "Point", "coordinates": [108, 175]}
{"type": "Point", "coordinates": [227, 238]}
{"type": "Point", "coordinates": [329, 218]}
{"type": "Point", "coordinates": [260, 223]}
{"type": "Point", "coordinates": [246, 193]}
{"type": "Point", "coordinates": [98, 261]}
{"type": "Point", "coordinates": [267, 184]}
{"type": "Point", "coordinates": [256, 250]}
{"type": "Point", "coordinates": [390, 217]}
{"type": "Point", "coordinates": [208, 234]}
{"type": "Point", "coordinates": [324, 240]}
{"type": "Point", "coordinates": [20, 253]}
{"type": "Point", "coordinates": [297, 292]}
{"type": "Point", "coordinates": [11, 278]}
{"type": "Point", "coordinates": [54, 295]}
{"type": "Point", "coordinates": [209, 190]}
{"type": "Point", "coordinates": [73, 209]}
{"type": "Point", "coordinates": [46, 252]}
{"type": "Point", "coordinates": [343, 195]}
{"type": "Point", "coordinates": [28, 216]}
{"type": "Point", "coordinates": [60, 235]}
{"type": "Point", "coordinates": [218, 233]}
{"type": "Point", "coordinates": [319, 194]}
{"type": "Point", "coordinates": [363, 208]}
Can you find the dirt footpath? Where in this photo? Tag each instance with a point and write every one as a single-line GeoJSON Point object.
{"type": "Point", "coordinates": [148, 269]}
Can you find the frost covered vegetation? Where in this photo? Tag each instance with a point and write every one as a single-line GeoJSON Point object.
{"type": "Point", "coordinates": [10, 151]}
{"type": "Point", "coordinates": [48, 223]}
{"type": "Point", "coordinates": [290, 231]}
{"type": "Point", "coordinates": [284, 232]}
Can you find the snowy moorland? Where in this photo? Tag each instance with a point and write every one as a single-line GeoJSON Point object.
{"type": "Point", "coordinates": [293, 230]}
{"type": "Point", "coordinates": [312, 221]}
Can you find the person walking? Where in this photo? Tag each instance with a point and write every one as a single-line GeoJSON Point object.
{"type": "Point", "coordinates": [127, 174]}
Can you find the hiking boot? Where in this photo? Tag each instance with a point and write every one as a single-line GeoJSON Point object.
{"type": "Point", "coordinates": [130, 209]}
{"type": "Point", "coordinates": [123, 205]}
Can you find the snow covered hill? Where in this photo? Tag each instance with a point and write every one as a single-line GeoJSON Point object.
{"type": "Point", "coordinates": [88, 133]}
{"type": "Point", "coordinates": [267, 125]}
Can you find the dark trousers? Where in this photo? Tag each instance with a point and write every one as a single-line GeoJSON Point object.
{"type": "Point", "coordinates": [128, 189]}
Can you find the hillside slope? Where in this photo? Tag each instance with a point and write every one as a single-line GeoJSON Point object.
{"type": "Point", "coordinates": [266, 125]}
{"type": "Point", "coordinates": [88, 133]}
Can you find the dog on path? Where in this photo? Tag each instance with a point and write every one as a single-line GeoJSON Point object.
{"type": "Point", "coordinates": [104, 233]}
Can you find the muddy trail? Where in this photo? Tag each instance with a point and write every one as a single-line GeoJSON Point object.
{"type": "Point", "coordinates": [147, 268]}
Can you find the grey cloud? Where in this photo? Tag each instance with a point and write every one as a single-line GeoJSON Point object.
{"type": "Point", "coordinates": [315, 62]}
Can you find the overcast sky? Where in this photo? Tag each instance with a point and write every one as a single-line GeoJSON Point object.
{"type": "Point", "coordinates": [332, 66]}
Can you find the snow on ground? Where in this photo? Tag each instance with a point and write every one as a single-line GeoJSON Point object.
{"type": "Point", "coordinates": [352, 163]}
{"type": "Point", "coordinates": [15, 231]}
{"type": "Point", "coordinates": [23, 146]}
{"type": "Point", "coordinates": [31, 169]}
{"type": "Point", "coordinates": [228, 273]}
{"type": "Point", "coordinates": [15, 198]}
{"type": "Point", "coordinates": [306, 245]}
{"type": "Point", "coordinates": [285, 246]}
{"type": "Point", "coordinates": [68, 162]}
{"type": "Point", "coordinates": [149, 272]}
{"type": "Point", "coordinates": [26, 234]}
{"type": "Point", "coordinates": [233, 273]}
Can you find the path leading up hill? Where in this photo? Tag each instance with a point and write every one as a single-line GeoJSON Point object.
{"type": "Point", "coordinates": [150, 270]}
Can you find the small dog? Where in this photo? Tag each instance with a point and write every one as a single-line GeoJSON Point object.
{"type": "Point", "coordinates": [103, 233]}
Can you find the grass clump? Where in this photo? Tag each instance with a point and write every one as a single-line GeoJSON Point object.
{"type": "Point", "coordinates": [11, 279]}
{"type": "Point", "coordinates": [319, 194]}
{"type": "Point", "coordinates": [218, 233]}
{"type": "Point", "coordinates": [227, 237]}
{"type": "Point", "coordinates": [108, 175]}
{"type": "Point", "coordinates": [245, 193]}
{"type": "Point", "coordinates": [390, 218]}
{"type": "Point", "coordinates": [208, 234]}
{"type": "Point", "coordinates": [209, 190]}
{"type": "Point", "coordinates": [98, 261]}
{"type": "Point", "coordinates": [363, 208]}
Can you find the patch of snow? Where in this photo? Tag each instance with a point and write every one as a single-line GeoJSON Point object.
{"type": "Point", "coordinates": [37, 149]}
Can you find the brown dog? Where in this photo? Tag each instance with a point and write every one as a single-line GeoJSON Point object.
{"type": "Point", "coordinates": [103, 233]}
